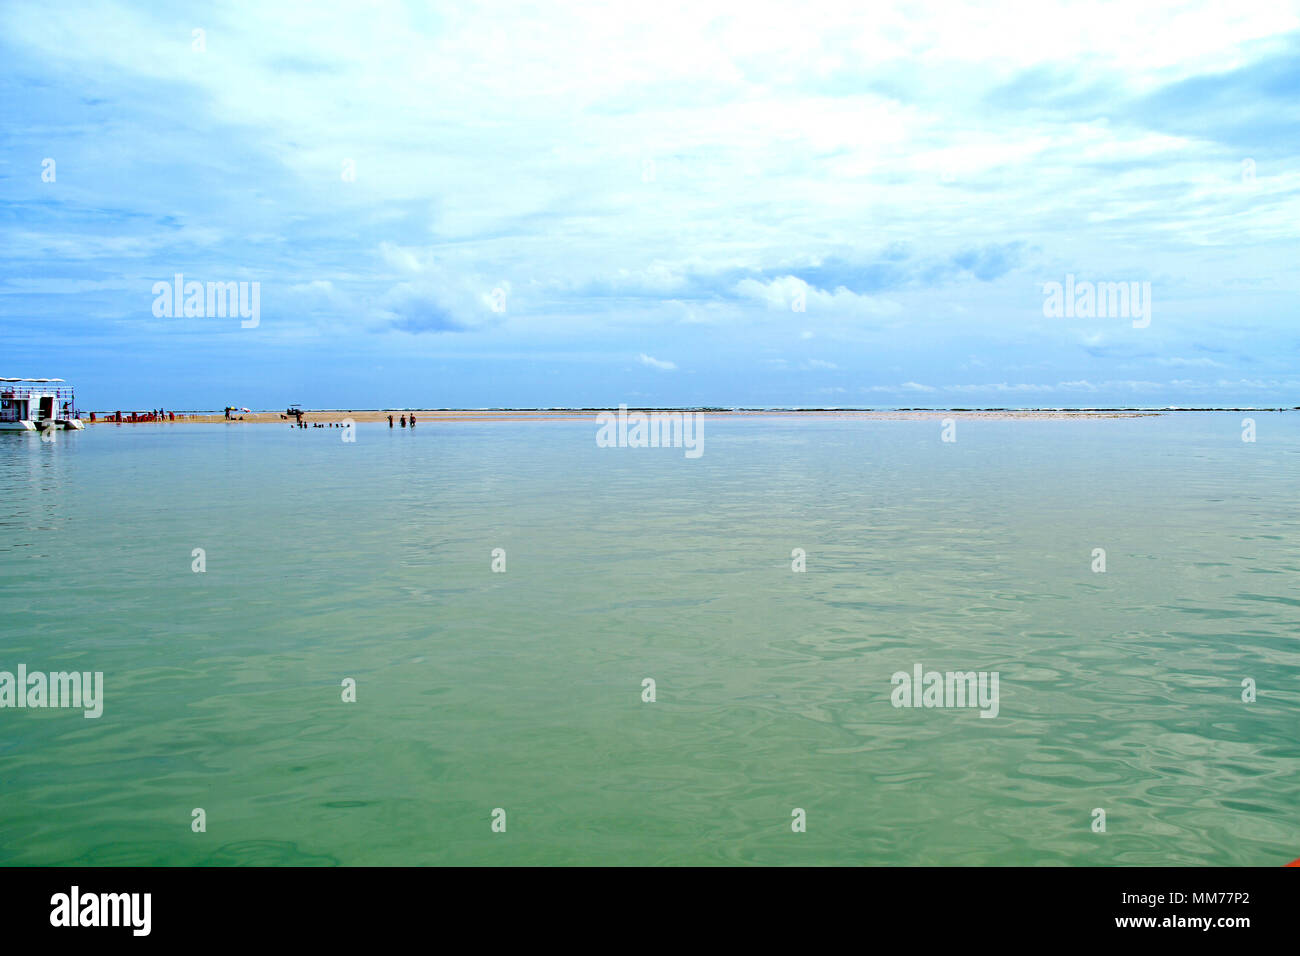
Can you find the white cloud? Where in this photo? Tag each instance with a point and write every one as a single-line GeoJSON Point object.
{"type": "Point", "coordinates": [792, 294]}
{"type": "Point", "coordinates": [1189, 362]}
{"type": "Point", "coordinates": [652, 362]}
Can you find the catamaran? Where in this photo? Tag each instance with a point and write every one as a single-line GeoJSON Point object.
{"type": "Point", "coordinates": [35, 404]}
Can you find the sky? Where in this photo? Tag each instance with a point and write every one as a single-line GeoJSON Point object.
{"type": "Point", "coordinates": [673, 204]}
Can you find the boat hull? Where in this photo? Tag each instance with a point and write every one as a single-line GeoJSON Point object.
{"type": "Point", "coordinates": [67, 424]}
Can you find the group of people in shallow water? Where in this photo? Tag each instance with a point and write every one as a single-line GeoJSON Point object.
{"type": "Point", "coordinates": [302, 424]}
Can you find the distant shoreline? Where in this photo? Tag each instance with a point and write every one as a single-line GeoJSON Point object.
{"type": "Point", "coordinates": [449, 415]}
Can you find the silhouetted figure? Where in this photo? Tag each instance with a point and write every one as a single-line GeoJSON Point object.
{"type": "Point", "coordinates": [403, 421]}
{"type": "Point", "coordinates": [412, 419]}
{"type": "Point", "coordinates": [390, 421]}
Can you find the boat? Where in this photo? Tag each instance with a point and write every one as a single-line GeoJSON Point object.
{"type": "Point", "coordinates": [37, 404]}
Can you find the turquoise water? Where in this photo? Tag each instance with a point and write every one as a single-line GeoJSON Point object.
{"type": "Point", "coordinates": [522, 690]}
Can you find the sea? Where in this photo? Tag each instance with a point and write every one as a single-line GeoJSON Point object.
{"type": "Point", "coordinates": [500, 643]}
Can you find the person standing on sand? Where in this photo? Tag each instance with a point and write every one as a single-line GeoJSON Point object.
{"type": "Point", "coordinates": [412, 419]}
{"type": "Point", "coordinates": [403, 421]}
{"type": "Point", "coordinates": [390, 421]}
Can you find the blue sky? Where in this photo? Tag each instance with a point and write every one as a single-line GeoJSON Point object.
{"type": "Point", "coordinates": [657, 204]}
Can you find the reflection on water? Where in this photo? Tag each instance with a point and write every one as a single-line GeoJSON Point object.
{"type": "Point", "coordinates": [522, 690]}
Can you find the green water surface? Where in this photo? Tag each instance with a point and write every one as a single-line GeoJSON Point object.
{"type": "Point", "coordinates": [522, 690]}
